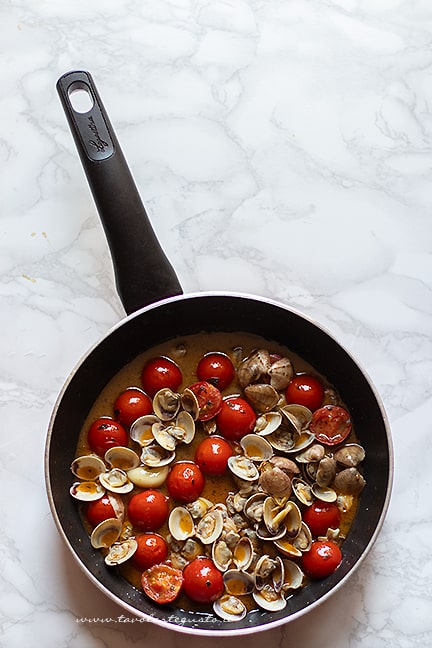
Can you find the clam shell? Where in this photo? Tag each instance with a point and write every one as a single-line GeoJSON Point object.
{"type": "Point", "coordinates": [253, 507]}
{"type": "Point", "coordinates": [281, 373]}
{"type": "Point", "coordinates": [210, 527]}
{"type": "Point", "coordinates": [122, 457]}
{"type": "Point", "coordinates": [297, 415]}
{"type": "Point", "coordinates": [87, 467]}
{"type": "Point", "coordinates": [116, 481]}
{"type": "Point", "coordinates": [267, 423]}
{"type": "Point", "coordinates": [314, 452]}
{"type": "Point", "coordinates": [243, 553]}
{"type": "Point", "coordinates": [268, 599]}
{"type": "Point", "coordinates": [87, 491]}
{"type": "Point", "coordinates": [147, 477]}
{"type": "Point", "coordinates": [230, 608]}
{"type": "Point", "coordinates": [163, 436]}
{"type": "Point", "coordinates": [293, 575]}
{"type": "Point", "coordinates": [350, 455]}
{"type": "Point", "coordinates": [324, 493]}
{"type": "Point", "coordinates": [141, 429]}
{"type": "Point", "coordinates": [166, 404]}
{"type": "Point", "coordinates": [243, 467]}
{"type": "Point", "coordinates": [154, 456]}
{"type": "Point", "coordinates": [222, 555]}
{"type": "Point", "coordinates": [238, 582]}
{"type": "Point", "coordinates": [349, 481]}
{"type": "Point", "coordinates": [262, 396]}
{"type": "Point", "coordinates": [106, 533]}
{"type": "Point", "coordinates": [253, 367]}
{"type": "Point", "coordinates": [181, 524]}
{"type": "Point", "coordinates": [189, 403]}
{"type": "Point", "coordinates": [256, 447]}
{"type": "Point", "coordinates": [119, 552]}
{"type": "Point", "coordinates": [303, 491]}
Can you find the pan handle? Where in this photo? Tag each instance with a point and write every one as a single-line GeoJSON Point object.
{"type": "Point", "coordinates": [142, 271]}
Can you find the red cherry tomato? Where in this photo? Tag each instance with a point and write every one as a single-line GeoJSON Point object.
{"type": "Point", "coordinates": [104, 508]}
{"type": "Point", "coordinates": [209, 399]}
{"type": "Point", "coordinates": [162, 583]}
{"type": "Point", "coordinates": [185, 481]}
{"type": "Point", "coordinates": [148, 510]}
{"type": "Point", "coordinates": [105, 433]}
{"type": "Point", "coordinates": [152, 549]}
{"type": "Point", "coordinates": [203, 582]}
{"type": "Point", "coordinates": [322, 559]}
{"type": "Point", "coordinates": [160, 372]}
{"type": "Point", "coordinates": [217, 369]}
{"type": "Point", "coordinates": [212, 455]}
{"type": "Point", "coordinates": [331, 424]}
{"type": "Point", "coordinates": [236, 418]}
{"type": "Point", "coordinates": [321, 516]}
{"type": "Point", "coordinates": [130, 405]}
{"type": "Point", "coordinates": [305, 390]}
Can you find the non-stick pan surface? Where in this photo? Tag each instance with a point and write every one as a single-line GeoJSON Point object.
{"type": "Point", "coordinates": [171, 316]}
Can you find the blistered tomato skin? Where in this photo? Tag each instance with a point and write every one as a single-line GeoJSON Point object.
{"type": "Point", "coordinates": [236, 418]}
{"type": "Point", "coordinates": [106, 433]}
{"type": "Point", "coordinates": [321, 516]}
{"type": "Point", "coordinates": [185, 481]}
{"type": "Point", "coordinates": [212, 455]}
{"type": "Point", "coordinates": [148, 510]}
{"type": "Point", "coordinates": [152, 549]}
{"type": "Point", "coordinates": [209, 399]}
{"type": "Point", "coordinates": [217, 369]}
{"type": "Point", "coordinates": [305, 390]}
{"type": "Point", "coordinates": [203, 582]}
{"type": "Point", "coordinates": [160, 372]}
{"type": "Point", "coordinates": [130, 405]}
{"type": "Point", "coordinates": [322, 559]}
{"type": "Point", "coordinates": [162, 582]}
{"type": "Point", "coordinates": [331, 424]}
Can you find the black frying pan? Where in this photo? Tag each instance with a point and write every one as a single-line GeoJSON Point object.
{"type": "Point", "coordinates": [158, 311]}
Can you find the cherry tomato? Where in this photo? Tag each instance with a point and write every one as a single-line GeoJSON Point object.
{"type": "Point", "coordinates": [152, 549]}
{"type": "Point", "coordinates": [103, 509]}
{"type": "Point", "coordinates": [130, 405]}
{"type": "Point", "coordinates": [217, 369]}
{"type": "Point", "coordinates": [305, 390]}
{"type": "Point", "coordinates": [236, 418]}
{"type": "Point", "coordinates": [148, 510]}
{"type": "Point", "coordinates": [212, 455]}
{"type": "Point", "coordinates": [160, 372]}
{"type": "Point", "coordinates": [321, 516]}
{"type": "Point", "coordinates": [162, 582]}
{"type": "Point", "coordinates": [331, 424]}
{"type": "Point", "coordinates": [105, 433]}
{"type": "Point", "coordinates": [322, 559]}
{"type": "Point", "coordinates": [209, 399]}
{"type": "Point", "coordinates": [185, 481]}
{"type": "Point", "coordinates": [203, 582]}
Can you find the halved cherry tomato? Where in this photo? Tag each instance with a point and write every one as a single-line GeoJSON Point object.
{"type": "Point", "coordinates": [102, 509]}
{"type": "Point", "coordinates": [105, 433]}
{"type": "Point", "coordinates": [209, 399]}
{"type": "Point", "coordinates": [217, 369]}
{"type": "Point", "coordinates": [160, 372]}
{"type": "Point", "coordinates": [321, 516]}
{"type": "Point", "coordinates": [331, 424]}
{"type": "Point", "coordinates": [185, 481]}
{"type": "Point", "coordinates": [212, 455]}
{"type": "Point", "coordinates": [148, 510]}
{"type": "Point", "coordinates": [131, 404]}
{"type": "Point", "coordinates": [236, 418]}
{"type": "Point", "coordinates": [203, 582]}
{"type": "Point", "coordinates": [162, 582]}
{"type": "Point", "coordinates": [152, 549]}
{"type": "Point", "coordinates": [322, 559]}
{"type": "Point", "coordinates": [305, 390]}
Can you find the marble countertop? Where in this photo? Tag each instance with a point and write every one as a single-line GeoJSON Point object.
{"type": "Point", "coordinates": [283, 148]}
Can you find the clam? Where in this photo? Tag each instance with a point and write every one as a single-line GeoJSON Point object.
{"type": "Point", "coordinates": [287, 547]}
{"type": "Point", "coordinates": [122, 457]}
{"type": "Point", "coordinates": [253, 367]}
{"type": "Point", "coordinates": [163, 436]}
{"type": "Point", "coordinates": [243, 467]}
{"type": "Point", "coordinates": [324, 493]}
{"type": "Point", "coordinates": [253, 507]}
{"type": "Point", "coordinates": [180, 523]}
{"type": "Point", "coordinates": [326, 471]}
{"type": "Point", "coordinates": [302, 440]}
{"type": "Point", "coordinates": [243, 552]}
{"type": "Point", "coordinates": [303, 491]}
{"type": "Point", "coordinates": [87, 467]}
{"type": "Point", "coordinates": [199, 507]}
{"type": "Point", "coordinates": [278, 574]}
{"type": "Point", "coordinates": [210, 526]}
{"type": "Point", "coordinates": [350, 455]}
{"type": "Point", "coordinates": [268, 599]}
{"type": "Point", "coordinates": [184, 429]}
{"type": "Point", "coordinates": [119, 552]}
{"type": "Point", "coordinates": [297, 415]}
{"type": "Point", "coordinates": [166, 404]}
{"type": "Point", "coordinates": [87, 491]}
{"type": "Point", "coordinates": [147, 477]}
{"type": "Point", "coordinates": [275, 481]}
{"type": "Point", "coordinates": [256, 447]}
{"type": "Point", "coordinates": [116, 481]}
{"type": "Point", "coordinates": [282, 439]}
{"type": "Point", "coordinates": [262, 396]}
{"type": "Point", "coordinates": [106, 533]}
{"type": "Point", "coordinates": [222, 555]}
{"type": "Point", "coordinates": [230, 608]}
{"type": "Point", "coordinates": [293, 575]}
{"type": "Point", "coordinates": [267, 422]}
{"type": "Point", "coordinates": [189, 403]}
{"type": "Point", "coordinates": [238, 582]}
{"type": "Point", "coordinates": [263, 570]}
{"type": "Point", "coordinates": [191, 549]}
{"type": "Point", "coordinates": [141, 429]}
{"type": "Point", "coordinates": [314, 452]}
{"type": "Point", "coordinates": [281, 373]}
{"type": "Point", "coordinates": [275, 516]}
{"type": "Point", "coordinates": [303, 540]}
{"type": "Point", "coordinates": [349, 481]}
{"type": "Point", "coordinates": [155, 456]}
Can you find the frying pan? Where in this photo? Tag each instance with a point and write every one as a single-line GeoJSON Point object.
{"type": "Point", "coordinates": [158, 311]}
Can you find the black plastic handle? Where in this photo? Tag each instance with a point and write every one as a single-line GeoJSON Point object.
{"type": "Point", "coordinates": [142, 271]}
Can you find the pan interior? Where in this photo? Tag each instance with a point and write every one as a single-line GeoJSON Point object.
{"type": "Point", "coordinates": [212, 313]}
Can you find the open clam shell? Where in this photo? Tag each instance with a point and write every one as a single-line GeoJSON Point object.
{"type": "Point", "coordinates": [181, 524]}
{"type": "Point", "coordinates": [230, 608]}
{"type": "Point", "coordinates": [243, 468]}
{"type": "Point", "coordinates": [238, 582]}
{"type": "Point", "coordinates": [122, 457]}
{"type": "Point", "coordinates": [106, 533]}
{"type": "Point", "coordinates": [256, 447]}
{"type": "Point", "coordinates": [116, 481]}
{"type": "Point", "coordinates": [120, 552]}
{"type": "Point", "coordinates": [141, 430]}
{"type": "Point", "coordinates": [166, 404]}
{"type": "Point", "coordinates": [88, 467]}
{"type": "Point", "coordinates": [87, 491]}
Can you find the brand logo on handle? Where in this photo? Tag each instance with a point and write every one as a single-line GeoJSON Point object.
{"type": "Point", "coordinates": [99, 144]}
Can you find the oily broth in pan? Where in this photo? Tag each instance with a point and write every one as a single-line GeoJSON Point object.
{"type": "Point", "coordinates": [186, 352]}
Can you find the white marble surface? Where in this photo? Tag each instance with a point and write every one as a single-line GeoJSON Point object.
{"type": "Point", "coordinates": [283, 148]}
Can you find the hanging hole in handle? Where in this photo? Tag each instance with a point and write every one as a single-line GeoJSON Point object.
{"type": "Point", "coordinates": [80, 97]}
